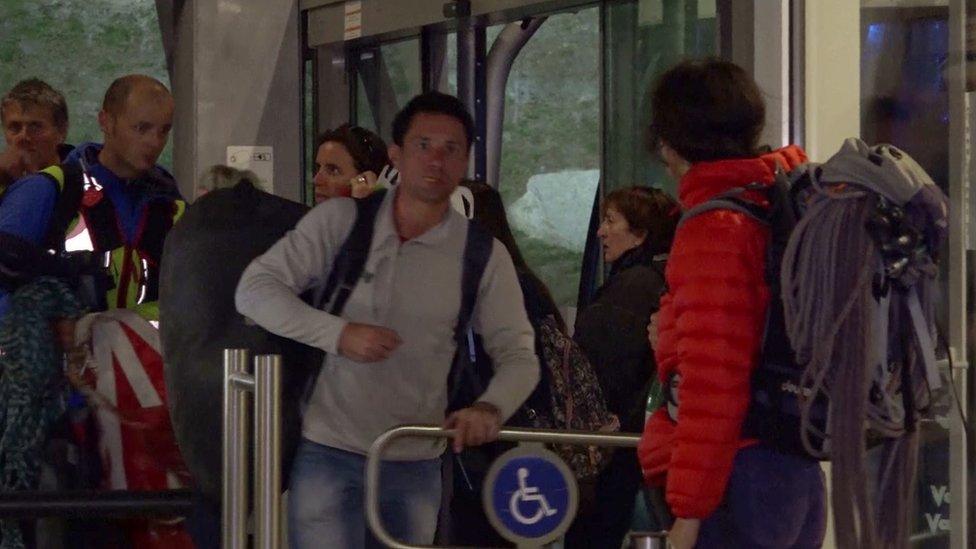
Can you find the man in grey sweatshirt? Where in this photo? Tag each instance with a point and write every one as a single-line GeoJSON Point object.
{"type": "Point", "coordinates": [389, 354]}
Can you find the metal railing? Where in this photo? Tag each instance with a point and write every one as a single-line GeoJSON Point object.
{"type": "Point", "coordinates": [265, 384]}
{"type": "Point", "coordinates": [646, 540]}
{"type": "Point", "coordinates": [373, 461]}
{"type": "Point", "coordinates": [96, 504]}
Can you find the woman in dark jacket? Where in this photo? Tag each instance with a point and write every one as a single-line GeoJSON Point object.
{"type": "Point", "coordinates": [636, 232]}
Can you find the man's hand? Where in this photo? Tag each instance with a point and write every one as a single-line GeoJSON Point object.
{"type": "Point", "coordinates": [684, 533]}
{"type": "Point", "coordinates": [474, 425]}
{"type": "Point", "coordinates": [652, 331]}
{"type": "Point", "coordinates": [13, 166]}
{"type": "Point", "coordinates": [367, 343]}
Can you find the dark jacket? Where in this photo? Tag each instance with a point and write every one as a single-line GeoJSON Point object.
{"type": "Point", "coordinates": [612, 331]}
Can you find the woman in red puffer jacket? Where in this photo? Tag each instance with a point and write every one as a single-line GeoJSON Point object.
{"type": "Point", "coordinates": [724, 490]}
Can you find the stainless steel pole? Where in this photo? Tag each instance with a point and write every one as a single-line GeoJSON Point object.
{"type": "Point", "coordinates": [267, 443]}
{"type": "Point", "coordinates": [647, 540]}
{"type": "Point", "coordinates": [234, 511]}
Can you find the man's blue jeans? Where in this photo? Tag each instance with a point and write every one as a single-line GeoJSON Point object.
{"type": "Point", "coordinates": [326, 505]}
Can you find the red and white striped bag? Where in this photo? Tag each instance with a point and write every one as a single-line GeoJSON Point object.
{"type": "Point", "coordinates": [136, 443]}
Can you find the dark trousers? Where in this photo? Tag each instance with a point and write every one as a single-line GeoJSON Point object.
{"type": "Point", "coordinates": [203, 523]}
{"type": "Point", "coordinates": [773, 501]}
{"type": "Point", "coordinates": [605, 518]}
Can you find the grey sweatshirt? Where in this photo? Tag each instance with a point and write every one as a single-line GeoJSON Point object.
{"type": "Point", "coordinates": [413, 288]}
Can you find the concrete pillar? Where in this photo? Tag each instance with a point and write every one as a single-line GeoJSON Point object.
{"type": "Point", "coordinates": [237, 81]}
{"type": "Point", "coordinates": [832, 83]}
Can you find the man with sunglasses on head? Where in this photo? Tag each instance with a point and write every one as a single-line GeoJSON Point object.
{"type": "Point", "coordinates": [348, 161]}
{"type": "Point", "coordinates": [390, 351]}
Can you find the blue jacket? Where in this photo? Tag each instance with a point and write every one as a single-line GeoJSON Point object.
{"type": "Point", "coordinates": [127, 196]}
{"type": "Point", "coordinates": [25, 211]}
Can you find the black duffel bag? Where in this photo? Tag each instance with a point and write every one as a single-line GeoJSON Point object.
{"type": "Point", "coordinates": [204, 256]}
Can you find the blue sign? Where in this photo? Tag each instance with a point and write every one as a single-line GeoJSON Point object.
{"type": "Point", "coordinates": [530, 495]}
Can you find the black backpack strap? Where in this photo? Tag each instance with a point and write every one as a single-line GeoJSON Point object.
{"type": "Point", "coordinates": [467, 378]}
{"type": "Point", "coordinates": [350, 261]}
{"type": "Point", "coordinates": [66, 206]}
{"type": "Point", "coordinates": [347, 267]}
{"type": "Point", "coordinates": [477, 252]}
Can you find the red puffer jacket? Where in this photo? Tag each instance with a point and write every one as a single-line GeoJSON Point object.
{"type": "Point", "coordinates": [710, 329]}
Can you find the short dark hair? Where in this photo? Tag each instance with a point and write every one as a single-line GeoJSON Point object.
{"type": "Point", "coordinates": [119, 90]}
{"type": "Point", "coordinates": [432, 102]}
{"type": "Point", "coordinates": [648, 211]}
{"type": "Point", "coordinates": [707, 110]}
{"type": "Point", "coordinates": [368, 151]}
{"type": "Point", "coordinates": [38, 93]}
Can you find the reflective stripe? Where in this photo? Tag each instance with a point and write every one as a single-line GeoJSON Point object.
{"type": "Point", "coordinates": [81, 241]}
{"type": "Point", "coordinates": [180, 209]}
{"type": "Point", "coordinates": [57, 173]}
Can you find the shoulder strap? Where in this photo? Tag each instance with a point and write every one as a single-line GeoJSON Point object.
{"type": "Point", "coordinates": [726, 202]}
{"type": "Point", "coordinates": [350, 261]}
{"type": "Point", "coordinates": [467, 379]}
{"type": "Point", "coordinates": [477, 252]}
{"type": "Point", "coordinates": [68, 178]}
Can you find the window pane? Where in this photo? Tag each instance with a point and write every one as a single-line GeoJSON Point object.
{"type": "Point", "coordinates": [642, 40]}
{"type": "Point", "coordinates": [448, 78]}
{"type": "Point", "coordinates": [550, 162]}
{"type": "Point", "coordinates": [388, 77]}
{"type": "Point", "coordinates": [905, 102]}
{"type": "Point", "coordinates": [79, 47]}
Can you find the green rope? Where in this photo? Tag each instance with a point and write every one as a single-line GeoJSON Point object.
{"type": "Point", "coordinates": [32, 390]}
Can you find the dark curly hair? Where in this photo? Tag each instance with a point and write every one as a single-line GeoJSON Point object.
{"type": "Point", "coordinates": [648, 211]}
{"type": "Point", "coordinates": [707, 110]}
{"type": "Point", "coordinates": [368, 151]}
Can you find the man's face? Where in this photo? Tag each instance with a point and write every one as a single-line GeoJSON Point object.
{"type": "Point", "coordinates": [433, 158]}
{"type": "Point", "coordinates": [136, 136]}
{"type": "Point", "coordinates": [30, 130]}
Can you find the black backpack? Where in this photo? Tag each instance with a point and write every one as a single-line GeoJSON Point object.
{"type": "Point", "coordinates": [203, 258]}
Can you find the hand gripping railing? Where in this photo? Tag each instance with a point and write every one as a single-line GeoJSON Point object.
{"type": "Point", "coordinates": [373, 461]}
{"type": "Point", "coordinates": [238, 386]}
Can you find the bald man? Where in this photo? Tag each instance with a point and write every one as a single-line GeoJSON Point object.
{"type": "Point", "coordinates": [129, 202]}
{"type": "Point", "coordinates": [113, 199]}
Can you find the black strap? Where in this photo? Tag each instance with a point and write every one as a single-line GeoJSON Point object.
{"type": "Point", "coordinates": [21, 261]}
{"type": "Point", "coordinates": [66, 206]}
{"type": "Point", "coordinates": [467, 378]}
{"type": "Point", "coordinates": [477, 252]}
{"type": "Point", "coordinates": [347, 267]}
{"type": "Point", "coordinates": [351, 259]}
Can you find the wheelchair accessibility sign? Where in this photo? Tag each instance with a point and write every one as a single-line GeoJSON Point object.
{"type": "Point", "coordinates": [530, 495]}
